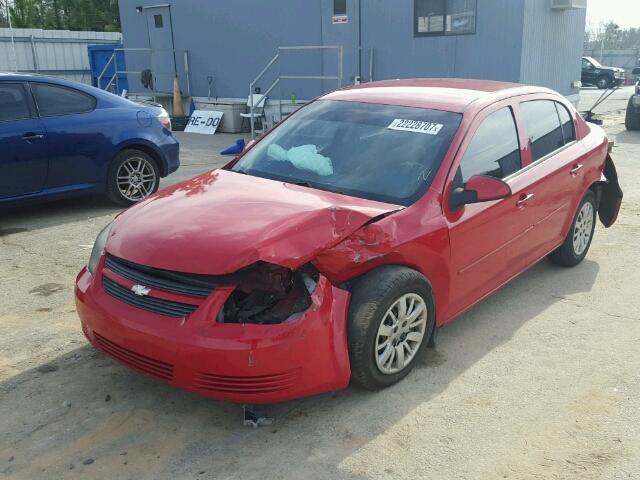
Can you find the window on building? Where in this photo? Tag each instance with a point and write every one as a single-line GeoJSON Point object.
{"type": "Point", "coordinates": [54, 100]}
{"type": "Point", "coordinates": [494, 149]}
{"type": "Point", "coordinates": [13, 102]}
{"type": "Point", "coordinates": [543, 127]}
{"type": "Point", "coordinates": [158, 20]}
{"type": "Point", "coordinates": [445, 17]}
{"type": "Point", "coordinates": [339, 7]}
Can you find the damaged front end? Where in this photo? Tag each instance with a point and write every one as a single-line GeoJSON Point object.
{"type": "Point", "coordinates": [268, 294]}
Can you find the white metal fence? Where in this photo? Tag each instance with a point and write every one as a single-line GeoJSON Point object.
{"type": "Point", "coordinates": [51, 52]}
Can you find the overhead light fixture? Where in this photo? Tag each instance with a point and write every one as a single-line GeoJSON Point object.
{"type": "Point", "coordinates": [139, 9]}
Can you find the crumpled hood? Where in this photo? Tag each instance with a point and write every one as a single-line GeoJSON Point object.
{"type": "Point", "coordinates": [221, 221]}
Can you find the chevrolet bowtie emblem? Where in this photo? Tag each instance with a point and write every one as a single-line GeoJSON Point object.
{"type": "Point", "coordinates": [140, 290]}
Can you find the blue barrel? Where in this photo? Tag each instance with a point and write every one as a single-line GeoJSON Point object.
{"type": "Point", "coordinates": [99, 56]}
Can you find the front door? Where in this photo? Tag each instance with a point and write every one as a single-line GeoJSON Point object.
{"type": "Point", "coordinates": [23, 157]}
{"type": "Point", "coordinates": [340, 27]}
{"type": "Point", "coordinates": [488, 240]}
{"type": "Point", "coordinates": [163, 60]}
{"type": "Point", "coordinates": [588, 75]}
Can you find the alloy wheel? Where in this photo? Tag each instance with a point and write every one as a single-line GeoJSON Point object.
{"type": "Point", "coordinates": [136, 178]}
{"type": "Point", "coordinates": [400, 333]}
{"type": "Point", "coordinates": [583, 229]}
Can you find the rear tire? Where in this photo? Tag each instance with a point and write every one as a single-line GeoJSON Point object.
{"type": "Point", "coordinates": [391, 320]}
{"type": "Point", "coordinates": [133, 176]}
{"type": "Point", "coordinates": [632, 117]}
{"type": "Point", "coordinates": [603, 82]}
{"type": "Point", "coordinates": [578, 240]}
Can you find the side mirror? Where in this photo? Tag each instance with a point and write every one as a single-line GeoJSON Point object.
{"type": "Point", "coordinates": [479, 188]}
{"type": "Point", "coordinates": [636, 71]}
{"type": "Point", "coordinates": [249, 144]}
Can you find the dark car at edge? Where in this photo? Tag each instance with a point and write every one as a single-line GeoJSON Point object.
{"type": "Point", "coordinates": [593, 73]}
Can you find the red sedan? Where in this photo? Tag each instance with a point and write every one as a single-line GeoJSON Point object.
{"type": "Point", "coordinates": [332, 249]}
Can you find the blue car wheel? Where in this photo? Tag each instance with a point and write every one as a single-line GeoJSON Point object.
{"type": "Point", "coordinates": [133, 176]}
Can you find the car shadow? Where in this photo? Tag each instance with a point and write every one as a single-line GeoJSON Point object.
{"type": "Point", "coordinates": [627, 137]}
{"type": "Point", "coordinates": [83, 405]}
{"type": "Point", "coordinates": [51, 213]}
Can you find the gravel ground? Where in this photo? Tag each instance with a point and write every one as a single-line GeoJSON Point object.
{"type": "Point", "coordinates": [538, 381]}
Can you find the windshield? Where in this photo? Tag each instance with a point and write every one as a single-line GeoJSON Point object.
{"type": "Point", "coordinates": [379, 152]}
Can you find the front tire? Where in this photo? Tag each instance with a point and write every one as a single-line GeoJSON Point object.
{"type": "Point", "coordinates": [391, 319]}
{"type": "Point", "coordinates": [133, 176]}
{"type": "Point", "coordinates": [603, 82]}
{"type": "Point", "coordinates": [578, 240]}
{"type": "Point", "coordinates": [632, 117]}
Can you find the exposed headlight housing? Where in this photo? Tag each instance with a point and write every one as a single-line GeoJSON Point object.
{"type": "Point", "coordinates": [98, 248]}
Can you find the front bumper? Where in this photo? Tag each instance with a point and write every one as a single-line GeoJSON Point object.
{"type": "Point", "coordinates": [234, 362]}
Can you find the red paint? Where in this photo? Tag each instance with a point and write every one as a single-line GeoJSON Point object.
{"type": "Point", "coordinates": [222, 221]}
{"type": "Point", "coordinates": [488, 188]}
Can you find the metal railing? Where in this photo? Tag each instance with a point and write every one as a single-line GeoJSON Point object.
{"type": "Point", "coordinates": [275, 59]}
{"type": "Point", "coordinates": [113, 80]}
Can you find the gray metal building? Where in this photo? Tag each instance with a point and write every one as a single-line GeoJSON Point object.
{"type": "Point", "coordinates": [219, 47]}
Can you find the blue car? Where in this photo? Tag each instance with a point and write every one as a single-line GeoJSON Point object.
{"type": "Point", "coordinates": [59, 138]}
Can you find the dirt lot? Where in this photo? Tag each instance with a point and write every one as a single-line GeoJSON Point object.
{"type": "Point", "coordinates": [539, 381]}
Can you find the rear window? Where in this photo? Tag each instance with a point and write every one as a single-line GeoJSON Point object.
{"type": "Point", "coordinates": [380, 152]}
{"type": "Point", "coordinates": [543, 127]}
{"type": "Point", "coordinates": [13, 102]}
{"type": "Point", "coordinates": [568, 127]}
{"type": "Point", "coordinates": [56, 100]}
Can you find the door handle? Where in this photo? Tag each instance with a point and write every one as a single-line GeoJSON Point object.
{"type": "Point", "coordinates": [524, 199]}
{"type": "Point", "coordinates": [32, 137]}
{"type": "Point", "coordinates": [576, 168]}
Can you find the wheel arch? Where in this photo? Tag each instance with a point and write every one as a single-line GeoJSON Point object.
{"type": "Point", "coordinates": [350, 284]}
{"type": "Point", "coordinates": [146, 147]}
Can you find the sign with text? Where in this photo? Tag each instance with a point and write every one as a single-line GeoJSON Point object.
{"type": "Point", "coordinates": [204, 121]}
{"type": "Point", "coordinates": [340, 19]}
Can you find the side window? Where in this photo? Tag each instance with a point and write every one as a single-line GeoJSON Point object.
{"type": "Point", "coordinates": [13, 102]}
{"type": "Point", "coordinates": [586, 64]}
{"type": "Point", "coordinates": [55, 100]}
{"type": "Point", "coordinates": [568, 127]}
{"type": "Point", "coordinates": [543, 127]}
{"type": "Point", "coordinates": [494, 149]}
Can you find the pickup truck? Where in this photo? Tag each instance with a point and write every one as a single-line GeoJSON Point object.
{"type": "Point", "coordinates": [602, 77]}
{"type": "Point", "coordinates": [632, 118]}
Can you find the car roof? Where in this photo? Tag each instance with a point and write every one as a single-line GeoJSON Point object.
{"type": "Point", "coordinates": [450, 94]}
{"type": "Point", "coordinates": [107, 97]}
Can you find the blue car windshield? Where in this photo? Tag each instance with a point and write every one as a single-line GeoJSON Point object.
{"type": "Point", "coordinates": [379, 152]}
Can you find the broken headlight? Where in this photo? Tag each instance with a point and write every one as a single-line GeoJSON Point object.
{"type": "Point", "coordinates": [269, 294]}
{"type": "Point", "coordinates": [98, 248]}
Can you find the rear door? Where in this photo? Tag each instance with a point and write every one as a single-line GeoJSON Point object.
{"type": "Point", "coordinates": [490, 240]}
{"type": "Point", "coordinates": [23, 149]}
{"type": "Point", "coordinates": [556, 169]}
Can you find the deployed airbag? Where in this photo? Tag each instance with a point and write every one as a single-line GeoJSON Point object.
{"type": "Point", "coordinates": [304, 157]}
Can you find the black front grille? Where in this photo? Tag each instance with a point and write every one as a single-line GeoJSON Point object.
{"type": "Point", "coordinates": [175, 282]}
{"type": "Point", "coordinates": [152, 304]}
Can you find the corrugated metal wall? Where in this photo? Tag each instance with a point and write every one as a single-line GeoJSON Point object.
{"type": "Point", "coordinates": [52, 52]}
{"type": "Point", "coordinates": [552, 46]}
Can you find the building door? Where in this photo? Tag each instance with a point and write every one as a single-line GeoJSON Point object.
{"type": "Point", "coordinates": [340, 27]}
{"type": "Point", "coordinates": [162, 56]}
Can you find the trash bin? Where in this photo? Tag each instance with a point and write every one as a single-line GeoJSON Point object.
{"type": "Point", "coordinates": [231, 120]}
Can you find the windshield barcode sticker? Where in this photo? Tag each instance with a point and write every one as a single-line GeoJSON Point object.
{"type": "Point", "coordinates": [416, 126]}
